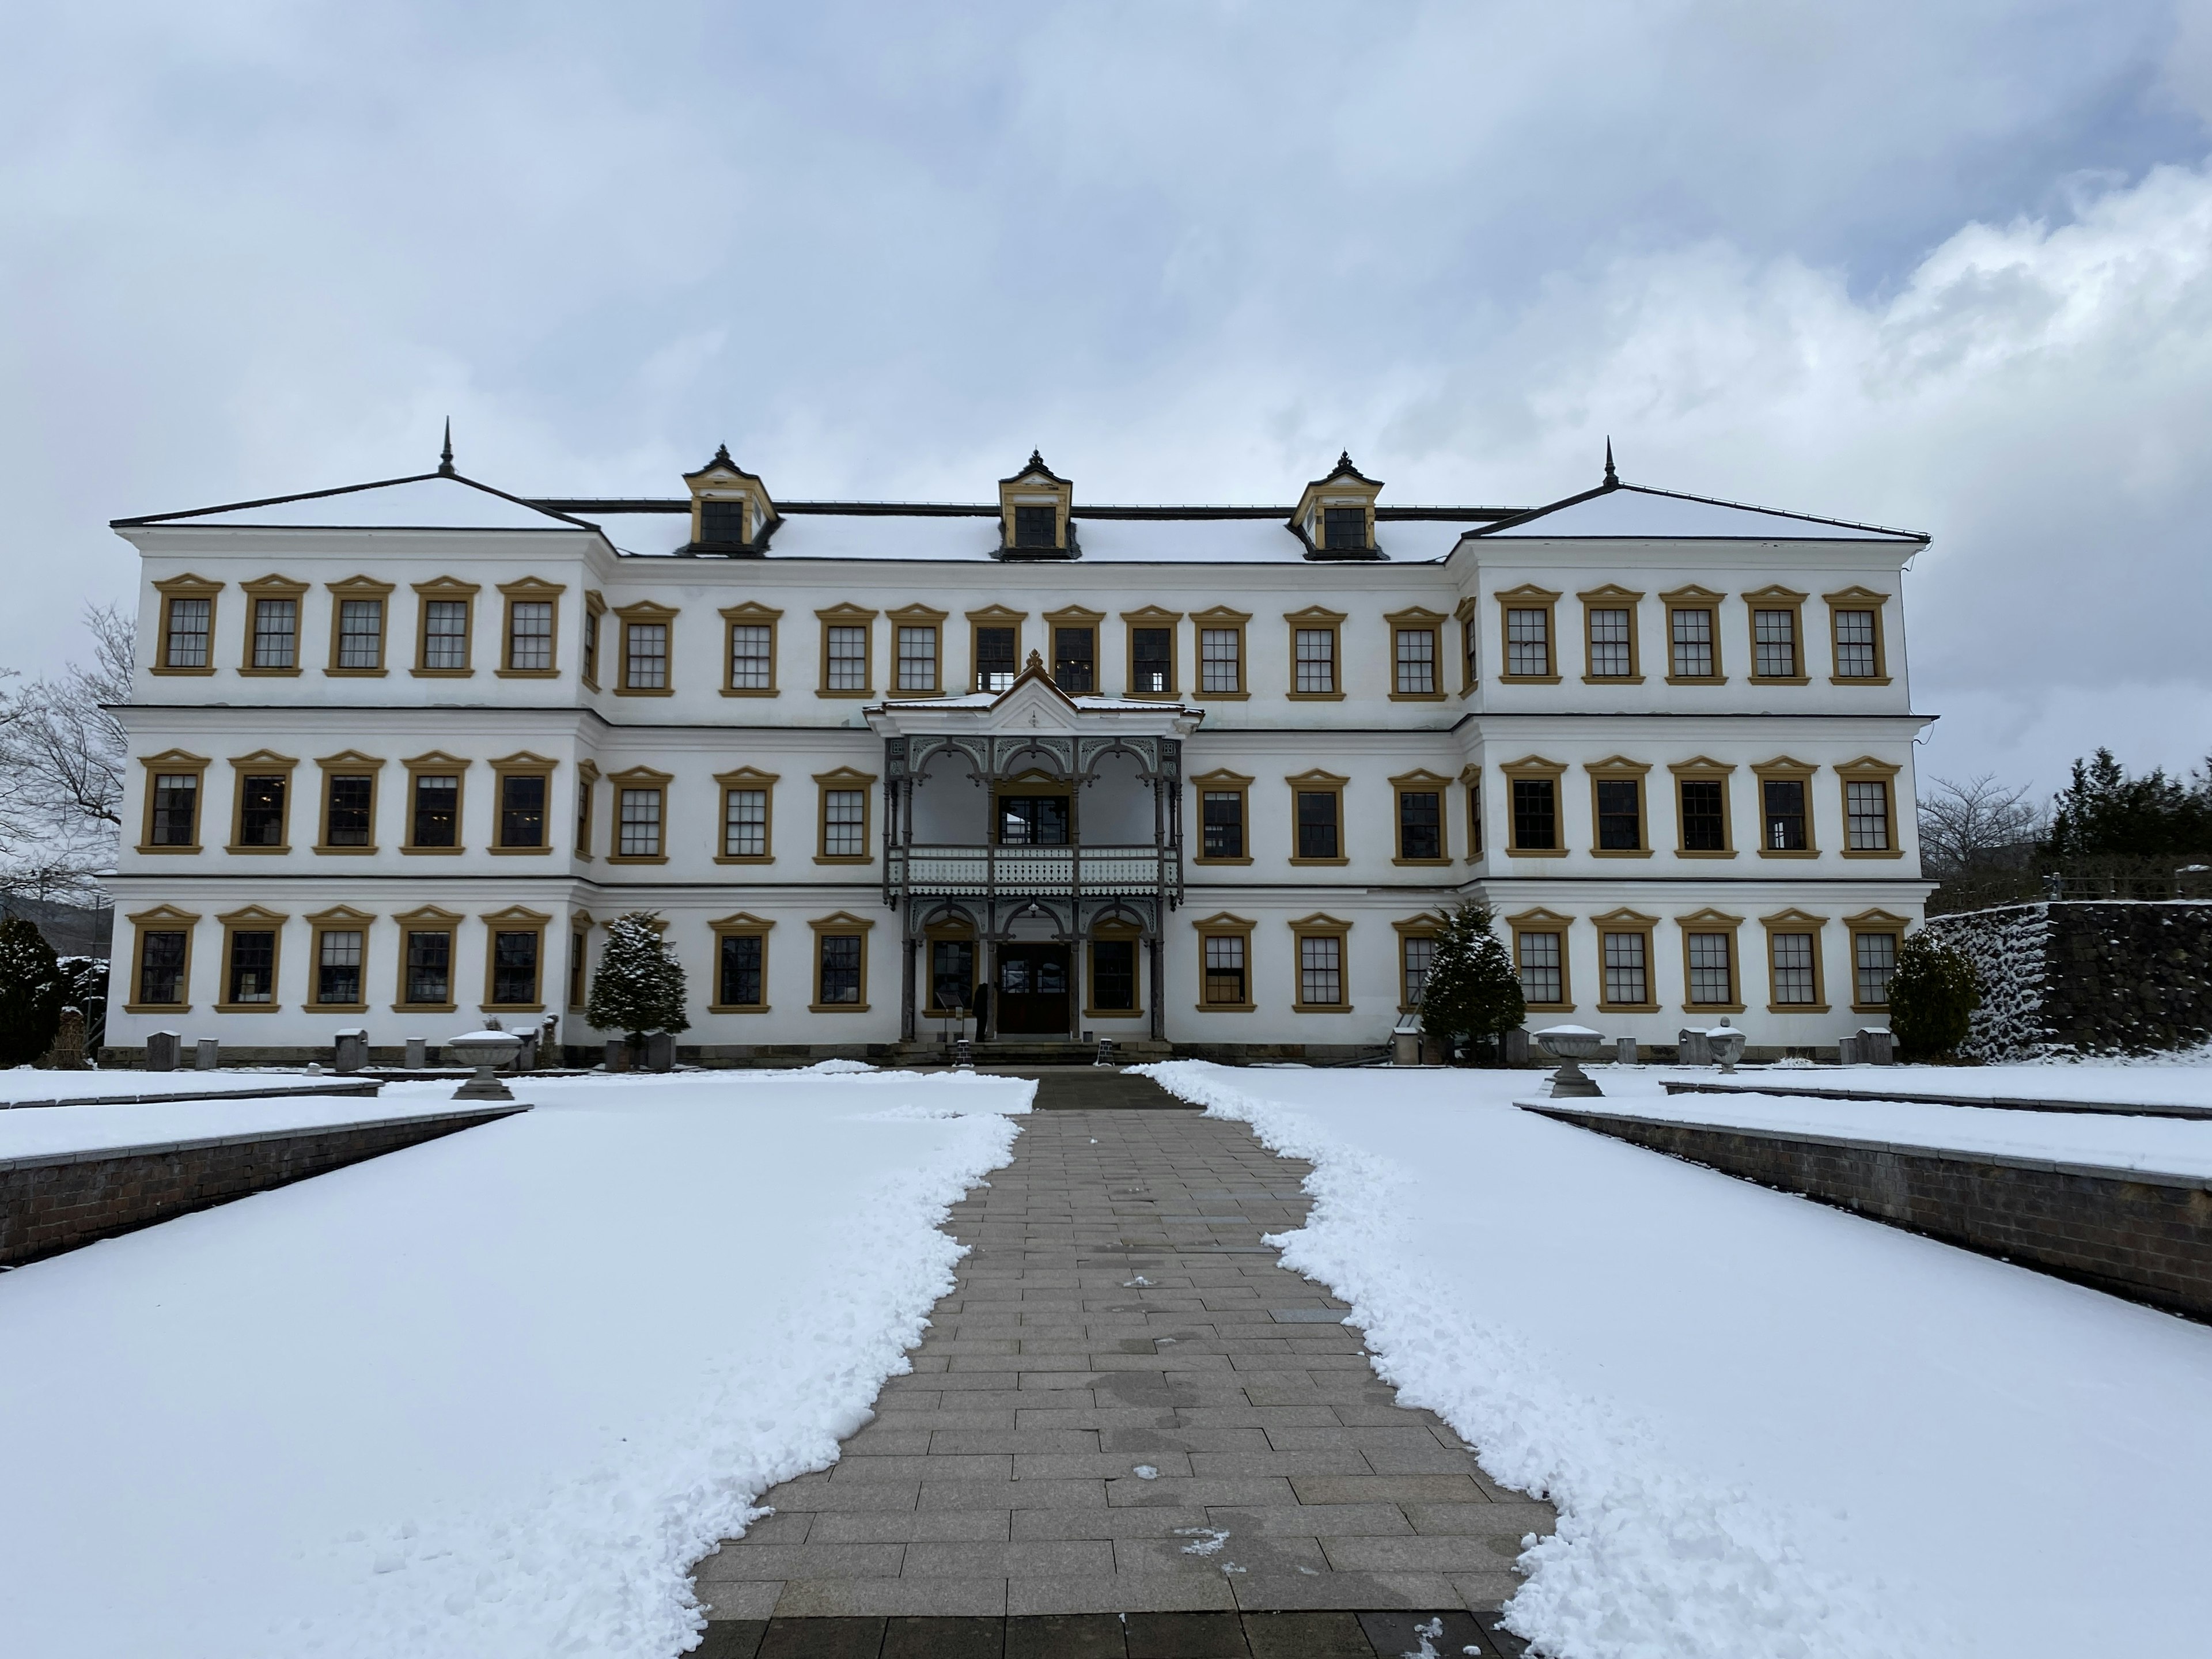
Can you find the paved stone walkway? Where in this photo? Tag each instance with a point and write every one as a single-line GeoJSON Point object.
{"type": "Point", "coordinates": [1127, 1406]}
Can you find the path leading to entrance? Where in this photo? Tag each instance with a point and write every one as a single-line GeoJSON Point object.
{"type": "Point", "coordinates": [1126, 1407]}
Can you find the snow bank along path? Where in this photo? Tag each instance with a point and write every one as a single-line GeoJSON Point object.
{"type": "Point", "coordinates": [1773, 1431]}
{"type": "Point", "coordinates": [489, 1396]}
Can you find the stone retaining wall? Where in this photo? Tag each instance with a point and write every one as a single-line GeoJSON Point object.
{"type": "Point", "coordinates": [2143, 1236]}
{"type": "Point", "coordinates": [60, 1200]}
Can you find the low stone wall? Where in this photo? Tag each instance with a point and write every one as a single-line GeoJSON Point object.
{"type": "Point", "coordinates": [60, 1200]}
{"type": "Point", "coordinates": [2140, 1235]}
{"type": "Point", "coordinates": [2092, 977]}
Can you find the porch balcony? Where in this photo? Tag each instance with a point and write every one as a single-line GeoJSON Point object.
{"type": "Point", "coordinates": [992, 872]}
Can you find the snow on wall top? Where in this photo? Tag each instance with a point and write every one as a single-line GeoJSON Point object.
{"type": "Point", "coordinates": [432, 502]}
{"type": "Point", "coordinates": [1632, 512]}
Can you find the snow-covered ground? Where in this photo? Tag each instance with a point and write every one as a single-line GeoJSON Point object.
{"type": "Point", "coordinates": [29, 1082]}
{"type": "Point", "coordinates": [34, 1133]}
{"type": "Point", "coordinates": [1775, 1431]}
{"type": "Point", "coordinates": [2171, 1081]}
{"type": "Point", "coordinates": [489, 1396]}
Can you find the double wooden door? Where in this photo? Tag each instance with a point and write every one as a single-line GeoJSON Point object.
{"type": "Point", "coordinates": [1032, 994]}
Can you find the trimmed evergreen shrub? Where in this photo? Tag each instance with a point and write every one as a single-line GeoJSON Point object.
{"type": "Point", "coordinates": [1932, 996]}
{"type": "Point", "coordinates": [639, 987]}
{"type": "Point", "coordinates": [32, 991]}
{"type": "Point", "coordinates": [1472, 994]}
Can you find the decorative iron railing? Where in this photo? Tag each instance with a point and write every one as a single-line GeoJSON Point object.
{"type": "Point", "coordinates": [1144, 871]}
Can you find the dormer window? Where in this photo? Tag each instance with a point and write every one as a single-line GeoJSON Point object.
{"type": "Point", "coordinates": [722, 524]}
{"type": "Point", "coordinates": [1335, 515]}
{"type": "Point", "coordinates": [730, 512]}
{"type": "Point", "coordinates": [1345, 529]}
{"type": "Point", "coordinates": [1035, 513]}
{"type": "Point", "coordinates": [1034, 527]}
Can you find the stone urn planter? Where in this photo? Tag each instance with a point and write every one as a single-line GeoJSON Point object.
{"type": "Point", "coordinates": [486, 1051]}
{"type": "Point", "coordinates": [1571, 1045]}
{"type": "Point", "coordinates": [1726, 1044]}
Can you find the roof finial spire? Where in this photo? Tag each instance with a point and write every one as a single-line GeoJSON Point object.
{"type": "Point", "coordinates": [1036, 462]}
{"type": "Point", "coordinates": [1344, 462]}
{"type": "Point", "coordinates": [1612, 477]}
{"type": "Point", "coordinates": [445, 455]}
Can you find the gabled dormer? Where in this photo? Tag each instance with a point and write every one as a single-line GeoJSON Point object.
{"type": "Point", "coordinates": [1335, 516]}
{"type": "Point", "coordinates": [1034, 514]}
{"type": "Point", "coordinates": [730, 512]}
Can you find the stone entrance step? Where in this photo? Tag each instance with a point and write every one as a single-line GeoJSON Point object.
{"type": "Point", "coordinates": [1031, 1051]}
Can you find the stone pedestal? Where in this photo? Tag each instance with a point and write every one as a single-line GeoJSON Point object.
{"type": "Point", "coordinates": [351, 1051]}
{"type": "Point", "coordinates": [162, 1050]}
{"type": "Point", "coordinates": [660, 1051]}
{"type": "Point", "coordinates": [207, 1055]}
{"type": "Point", "coordinates": [617, 1054]}
{"type": "Point", "coordinates": [1624, 1051]}
{"type": "Point", "coordinates": [418, 1052]}
{"type": "Point", "coordinates": [1875, 1046]}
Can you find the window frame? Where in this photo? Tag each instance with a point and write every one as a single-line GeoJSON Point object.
{"type": "Point", "coordinates": [1712, 923]}
{"type": "Point", "coordinates": [338, 919]}
{"type": "Point", "coordinates": [1470, 779]}
{"type": "Point", "coordinates": [645, 613]}
{"type": "Point", "coordinates": [1704, 769]}
{"type": "Point", "coordinates": [1315, 619]}
{"type": "Point", "coordinates": [1793, 920]}
{"type": "Point", "coordinates": [947, 930]}
{"type": "Point", "coordinates": [587, 778]}
{"type": "Point", "coordinates": [515, 919]}
{"type": "Point", "coordinates": [437, 763]}
{"type": "Point", "coordinates": [845, 777]}
{"type": "Point", "coordinates": [1775, 597]}
{"type": "Point", "coordinates": [1320, 925]}
{"type": "Point", "coordinates": [1783, 770]}
{"type": "Point", "coordinates": [1113, 930]}
{"type": "Point", "coordinates": [251, 918]}
{"type": "Point", "coordinates": [1858, 598]}
{"type": "Point", "coordinates": [741, 925]}
{"type": "Point", "coordinates": [521, 764]}
{"type": "Point", "coordinates": [745, 777]}
{"type": "Point", "coordinates": [1618, 768]}
{"type": "Point", "coordinates": [750, 615]}
{"type": "Point", "coordinates": [1315, 782]}
{"type": "Point", "coordinates": [1868, 769]}
{"type": "Point", "coordinates": [1695, 598]}
{"type": "Point", "coordinates": [1222, 924]}
{"type": "Point", "coordinates": [258, 593]}
{"type": "Point", "coordinates": [449, 589]}
{"type": "Point", "coordinates": [172, 762]}
{"type": "Point", "coordinates": [1417, 927]}
{"type": "Point", "coordinates": [1080, 617]}
{"type": "Point", "coordinates": [261, 764]}
{"type": "Point", "coordinates": [991, 615]}
{"type": "Point", "coordinates": [187, 586]}
{"type": "Point", "coordinates": [1221, 781]}
{"type": "Point", "coordinates": [1612, 597]}
{"type": "Point", "coordinates": [359, 588]}
{"type": "Point", "coordinates": [162, 918]}
{"type": "Point", "coordinates": [640, 778]}
{"type": "Point", "coordinates": [530, 590]}
{"type": "Point", "coordinates": [1625, 920]}
{"type": "Point", "coordinates": [1467, 613]}
{"type": "Point", "coordinates": [1152, 617]}
{"type": "Point", "coordinates": [428, 918]}
{"type": "Point", "coordinates": [578, 973]}
{"type": "Point", "coordinates": [847, 615]}
{"type": "Point", "coordinates": [1528, 597]}
{"type": "Point", "coordinates": [1220, 619]}
{"type": "Point", "coordinates": [842, 925]}
{"type": "Point", "coordinates": [921, 617]}
{"type": "Point", "coordinates": [1420, 782]}
{"type": "Point", "coordinates": [591, 640]}
{"type": "Point", "coordinates": [1529, 769]}
{"type": "Point", "coordinates": [1875, 921]}
{"type": "Point", "coordinates": [1418, 619]}
{"type": "Point", "coordinates": [1542, 921]}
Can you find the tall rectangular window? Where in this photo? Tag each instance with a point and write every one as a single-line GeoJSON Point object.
{"type": "Point", "coordinates": [1796, 984]}
{"type": "Point", "coordinates": [1610, 657]}
{"type": "Point", "coordinates": [1343, 529]}
{"type": "Point", "coordinates": [252, 975]}
{"type": "Point", "coordinates": [848, 658]}
{"type": "Point", "coordinates": [360, 633]}
{"type": "Point", "coordinates": [1712, 969]}
{"type": "Point", "coordinates": [1692, 639]}
{"type": "Point", "coordinates": [841, 967]}
{"type": "Point", "coordinates": [1704, 814]}
{"type": "Point", "coordinates": [275, 633]}
{"type": "Point", "coordinates": [1317, 825]}
{"type": "Point", "coordinates": [1543, 977]}
{"type": "Point", "coordinates": [917, 658]}
{"type": "Point", "coordinates": [744, 823]}
{"type": "Point", "coordinates": [1151, 661]}
{"type": "Point", "coordinates": [1536, 815]}
{"type": "Point", "coordinates": [429, 966]}
{"type": "Point", "coordinates": [446, 635]}
{"type": "Point", "coordinates": [1320, 969]}
{"type": "Point", "coordinates": [1315, 651]}
{"type": "Point", "coordinates": [1528, 643]}
{"type": "Point", "coordinates": [584, 817]}
{"type": "Point", "coordinates": [576, 970]}
{"type": "Point", "coordinates": [514, 967]}
{"type": "Point", "coordinates": [739, 980]}
{"type": "Point", "coordinates": [1866, 807]}
{"type": "Point", "coordinates": [1474, 820]}
{"type": "Point", "coordinates": [522, 810]}
{"type": "Point", "coordinates": [437, 819]}
{"type": "Point", "coordinates": [1774, 643]}
{"type": "Point", "coordinates": [722, 524]}
{"type": "Point", "coordinates": [1620, 815]}
{"type": "Point", "coordinates": [844, 823]}
{"type": "Point", "coordinates": [1873, 959]}
{"type": "Point", "coordinates": [1627, 974]}
{"type": "Point", "coordinates": [261, 811]}
{"type": "Point", "coordinates": [176, 808]}
{"type": "Point", "coordinates": [1417, 661]}
{"type": "Point", "coordinates": [1221, 814]}
{"type": "Point", "coordinates": [1225, 968]}
{"type": "Point", "coordinates": [640, 823]}
{"type": "Point", "coordinates": [645, 656]}
{"type": "Point", "coordinates": [1417, 954]}
{"type": "Point", "coordinates": [1074, 665]}
{"type": "Point", "coordinates": [1420, 824]}
{"type": "Point", "coordinates": [994, 659]}
{"type": "Point", "coordinates": [1113, 975]}
{"type": "Point", "coordinates": [190, 622]}
{"type": "Point", "coordinates": [1855, 642]}
{"type": "Point", "coordinates": [1784, 802]}
{"type": "Point", "coordinates": [1470, 646]}
{"type": "Point", "coordinates": [1221, 659]}
{"type": "Point", "coordinates": [952, 973]}
{"type": "Point", "coordinates": [162, 967]}
{"type": "Point", "coordinates": [1037, 526]}
{"type": "Point", "coordinates": [752, 657]}
{"type": "Point", "coordinates": [591, 645]}
{"type": "Point", "coordinates": [338, 966]}
{"type": "Point", "coordinates": [529, 635]}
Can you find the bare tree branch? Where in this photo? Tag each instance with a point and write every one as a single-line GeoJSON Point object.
{"type": "Point", "coordinates": [62, 755]}
{"type": "Point", "coordinates": [1980, 825]}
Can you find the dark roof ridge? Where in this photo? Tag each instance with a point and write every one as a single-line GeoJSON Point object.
{"type": "Point", "coordinates": [346, 489]}
{"type": "Point", "coordinates": [1613, 487]}
{"type": "Point", "coordinates": [629, 505]}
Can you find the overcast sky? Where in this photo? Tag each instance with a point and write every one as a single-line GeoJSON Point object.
{"type": "Point", "coordinates": [1947, 267]}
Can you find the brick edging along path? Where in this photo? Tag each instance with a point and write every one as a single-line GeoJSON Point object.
{"type": "Point", "coordinates": [1128, 1407]}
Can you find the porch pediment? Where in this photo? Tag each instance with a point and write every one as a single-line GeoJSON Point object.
{"type": "Point", "coordinates": [1032, 705]}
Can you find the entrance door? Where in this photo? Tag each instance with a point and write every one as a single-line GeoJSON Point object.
{"type": "Point", "coordinates": [1032, 990]}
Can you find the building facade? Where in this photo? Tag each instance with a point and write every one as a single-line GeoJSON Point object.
{"type": "Point", "coordinates": [1193, 777]}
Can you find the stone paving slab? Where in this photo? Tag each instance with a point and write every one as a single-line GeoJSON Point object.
{"type": "Point", "coordinates": [1375, 1633]}
{"type": "Point", "coordinates": [1127, 1406]}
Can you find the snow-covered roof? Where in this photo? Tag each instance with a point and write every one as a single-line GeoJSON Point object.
{"type": "Point", "coordinates": [431, 501]}
{"type": "Point", "coordinates": [1631, 512]}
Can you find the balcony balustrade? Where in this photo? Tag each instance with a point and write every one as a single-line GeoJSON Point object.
{"type": "Point", "coordinates": [992, 872]}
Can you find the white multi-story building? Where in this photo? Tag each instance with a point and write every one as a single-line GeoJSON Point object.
{"type": "Point", "coordinates": [1202, 775]}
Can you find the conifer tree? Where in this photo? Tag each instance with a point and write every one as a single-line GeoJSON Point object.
{"type": "Point", "coordinates": [1472, 993]}
{"type": "Point", "coordinates": [639, 988]}
{"type": "Point", "coordinates": [1933, 994]}
{"type": "Point", "coordinates": [32, 991]}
